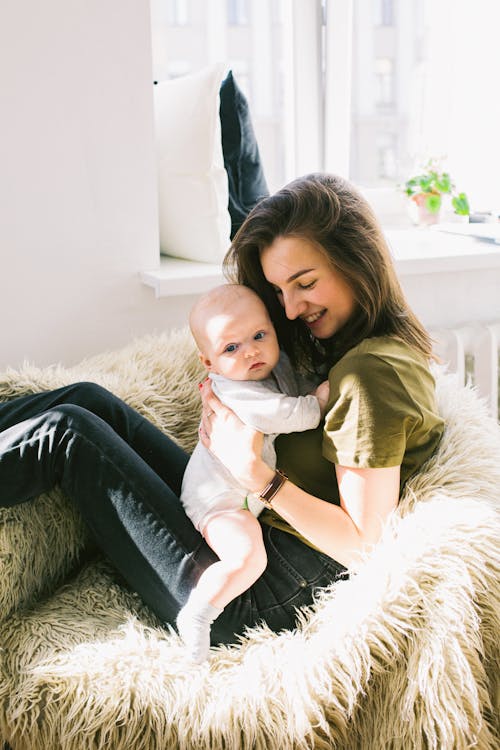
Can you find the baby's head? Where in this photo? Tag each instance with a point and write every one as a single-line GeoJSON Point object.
{"type": "Point", "coordinates": [234, 334]}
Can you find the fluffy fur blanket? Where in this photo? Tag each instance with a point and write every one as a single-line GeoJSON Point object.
{"type": "Point", "coordinates": [403, 655]}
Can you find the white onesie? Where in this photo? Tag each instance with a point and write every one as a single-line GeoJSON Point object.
{"type": "Point", "coordinates": [271, 406]}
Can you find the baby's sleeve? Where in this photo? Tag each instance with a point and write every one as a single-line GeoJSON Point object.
{"type": "Point", "coordinates": [268, 410]}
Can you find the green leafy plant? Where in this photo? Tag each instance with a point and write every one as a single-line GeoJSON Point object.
{"type": "Point", "coordinates": [427, 189]}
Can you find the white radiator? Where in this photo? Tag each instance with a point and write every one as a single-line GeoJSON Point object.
{"type": "Point", "coordinates": [472, 351]}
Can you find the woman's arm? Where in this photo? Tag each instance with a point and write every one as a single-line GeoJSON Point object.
{"type": "Point", "coordinates": [367, 495]}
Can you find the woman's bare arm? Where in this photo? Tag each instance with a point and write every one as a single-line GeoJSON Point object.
{"type": "Point", "coordinates": [367, 495]}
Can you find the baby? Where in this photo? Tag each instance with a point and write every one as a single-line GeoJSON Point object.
{"type": "Point", "coordinates": [238, 345]}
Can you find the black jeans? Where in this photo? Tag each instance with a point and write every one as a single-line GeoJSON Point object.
{"type": "Point", "coordinates": [124, 476]}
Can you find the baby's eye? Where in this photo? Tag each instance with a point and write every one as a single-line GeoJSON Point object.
{"type": "Point", "coordinates": [260, 335]}
{"type": "Point", "coordinates": [230, 348]}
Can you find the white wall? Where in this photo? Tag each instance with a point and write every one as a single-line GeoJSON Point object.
{"type": "Point", "coordinates": [78, 201]}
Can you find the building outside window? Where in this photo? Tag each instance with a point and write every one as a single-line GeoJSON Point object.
{"type": "Point", "coordinates": [178, 12]}
{"type": "Point", "coordinates": [384, 82]}
{"type": "Point", "coordinates": [384, 12]}
{"type": "Point", "coordinates": [386, 60]}
{"type": "Point", "coordinates": [411, 73]}
{"type": "Point", "coordinates": [237, 12]}
{"type": "Point", "coordinates": [387, 148]}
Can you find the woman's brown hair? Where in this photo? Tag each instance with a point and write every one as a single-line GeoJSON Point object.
{"type": "Point", "coordinates": [328, 211]}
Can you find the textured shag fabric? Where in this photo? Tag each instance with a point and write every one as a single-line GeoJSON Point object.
{"type": "Point", "coordinates": [403, 655]}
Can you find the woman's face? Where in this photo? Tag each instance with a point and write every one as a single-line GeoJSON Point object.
{"type": "Point", "coordinates": [307, 286]}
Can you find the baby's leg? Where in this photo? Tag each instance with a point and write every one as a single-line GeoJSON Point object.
{"type": "Point", "coordinates": [236, 537]}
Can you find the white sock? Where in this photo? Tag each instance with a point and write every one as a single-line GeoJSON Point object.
{"type": "Point", "coordinates": [194, 622]}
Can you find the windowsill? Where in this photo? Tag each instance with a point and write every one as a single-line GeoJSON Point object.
{"type": "Point", "coordinates": [415, 251]}
{"type": "Point", "coordinates": [175, 277]}
{"type": "Point", "coordinates": [431, 250]}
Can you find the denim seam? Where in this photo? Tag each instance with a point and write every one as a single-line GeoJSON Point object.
{"type": "Point", "coordinates": [287, 602]}
{"type": "Point", "coordinates": [283, 561]}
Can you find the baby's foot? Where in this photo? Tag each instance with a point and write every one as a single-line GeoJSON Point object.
{"type": "Point", "coordinates": [193, 623]}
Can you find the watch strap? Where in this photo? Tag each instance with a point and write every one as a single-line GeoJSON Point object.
{"type": "Point", "coordinates": [272, 488]}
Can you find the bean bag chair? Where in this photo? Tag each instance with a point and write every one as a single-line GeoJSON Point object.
{"type": "Point", "coordinates": [404, 654]}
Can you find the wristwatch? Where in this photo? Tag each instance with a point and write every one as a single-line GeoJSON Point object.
{"type": "Point", "coordinates": [270, 490]}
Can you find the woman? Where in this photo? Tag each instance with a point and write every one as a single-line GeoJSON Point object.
{"type": "Point", "coordinates": [315, 254]}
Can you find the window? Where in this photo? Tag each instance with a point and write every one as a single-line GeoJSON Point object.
{"type": "Point", "coordinates": [248, 36]}
{"type": "Point", "coordinates": [384, 12]}
{"type": "Point", "coordinates": [387, 58]}
{"type": "Point", "coordinates": [367, 88]}
{"type": "Point", "coordinates": [384, 81]}
{"type": "Point", "coordinates": [237, 12]}
{"type": "Point", "coordinates": [386, 147]}
{"type": "Point", "coordinates": [433, 68]}
{"type": "Point", "coordinates": [178, 12]}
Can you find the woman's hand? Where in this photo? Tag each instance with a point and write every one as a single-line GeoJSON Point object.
{"type": "Point", "coordinates": [236, 445]}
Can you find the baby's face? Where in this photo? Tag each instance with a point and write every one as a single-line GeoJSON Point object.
{"type": "Point", "coordinates": [241, 342]}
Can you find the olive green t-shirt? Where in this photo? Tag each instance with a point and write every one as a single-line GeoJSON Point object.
{"type": "Point", "coordinates": [381, 412]}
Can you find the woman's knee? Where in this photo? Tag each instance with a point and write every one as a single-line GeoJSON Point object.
{"type": "Point", "coordinates": [89, 394]}
{"type": "Point", "coordinates": [103, 406]}
{"type": "Point", "coordinates": [99, 401]}
{"type": "Point", "coordinates": [70, 416]}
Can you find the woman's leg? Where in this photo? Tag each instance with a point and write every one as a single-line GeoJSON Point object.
{"type": "Point", "coordinates": [134, 515]}
{"type": "Point", "coordinates": [293, 575]}
{"type": "Point", "coordinates": [116, 468]}
{"type": "Point", "coordinates": [166, 458]}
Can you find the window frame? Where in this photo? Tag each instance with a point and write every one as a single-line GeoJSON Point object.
{"type": "Point", "coordinates": [318, 75]}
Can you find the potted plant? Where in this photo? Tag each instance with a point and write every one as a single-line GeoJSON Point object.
{"type": "Point", "coordinates": [427, 189]}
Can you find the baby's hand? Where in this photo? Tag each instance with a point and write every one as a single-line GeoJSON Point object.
{"type": "Point", "coordinates": [322, 393]}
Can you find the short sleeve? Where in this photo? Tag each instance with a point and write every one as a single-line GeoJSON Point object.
{"type": "Point", "coordinates": [370, 414]}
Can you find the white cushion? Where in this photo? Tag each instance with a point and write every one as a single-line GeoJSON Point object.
{"type": "Point", "coordinates": [193, 189]}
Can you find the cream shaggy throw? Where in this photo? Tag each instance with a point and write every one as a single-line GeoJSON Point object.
{"type": "Point", "coordinates": [405, 654]}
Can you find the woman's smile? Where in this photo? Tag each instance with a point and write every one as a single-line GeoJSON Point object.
{"type": "Point", "coordinates": [311, 319]}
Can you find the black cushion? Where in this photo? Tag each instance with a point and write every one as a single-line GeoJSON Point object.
{"type": "Point", "coordinates": [247, 184]}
